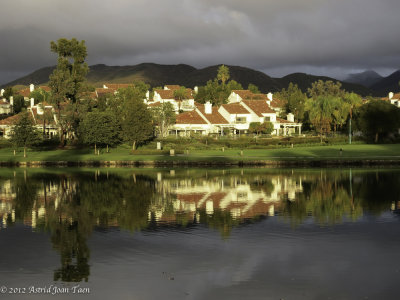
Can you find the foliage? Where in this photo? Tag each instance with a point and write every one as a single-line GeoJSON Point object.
{"type": "Point", "coordinates": [295, 101]}
{"type": "Point", "coordinates": [99, 128]}
{"type": "Point", "coordinates": [377, 119]}
{"type": "Point", "coordinates": [163, 116]}
{"type": "Point", "coordinates": [24, 133]}
{"type": "Point", "coordinates": [135, 118]}
{"type": "Point", "coordinates": [215, 92]}
{"type": "Point", "coordinates": [253, 88]}
{"type": "Point", "coordinates": [68, 81]}
{"type": "Point", "coordinates": [223, 74]}
{"type": "Point", "coordinates": [39, 95]}
{"type": "Point", "coordinates": [8, 92]}
{"type": "Point", "coordinates": [180, 93]}
{"type": "Point", "coordinates": [257, 128]}
{"type": "Point", "coordinates": [326, 88]}
{"type": "Point", "coordinates": [19, 104]}
{"type": "Point", "coordinates": [320, 110]}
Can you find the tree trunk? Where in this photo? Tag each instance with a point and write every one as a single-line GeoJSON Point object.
{"type": "Point", "coordinates": [107, 148]}
{"type": "Point", "coordinates": [95, 149]}
{"type": "Point", "coordinates": [134, 146]}
{"type": "Point", "coordinates": [24, 151]}
{"type": "Point", "coordinates": [376, 137]}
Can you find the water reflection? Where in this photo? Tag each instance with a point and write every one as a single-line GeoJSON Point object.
{"type": "Point", "coordinates": [70, 204]}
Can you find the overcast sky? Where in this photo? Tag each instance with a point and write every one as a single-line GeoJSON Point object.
{"type": "Point", "coordinates": [322, 37]}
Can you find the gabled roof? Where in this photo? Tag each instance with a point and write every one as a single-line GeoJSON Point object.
{"type": "Point", "coordinates": [235, 108]}
{"type": "Point", "coordinates": [154, 104]}
{"type": "Point", "coordinates": [45, 88]}
{"type": "Point", "coordinates": [169, 94]}
{"type": "Point", "coordinates": [190, 117]}
{"type": "Point", "coordinates": [102, 91]}
{"type": "Point", "coordinates": [117, 86]}
{"type": "Point", "coordinates": [215, 117]}
{"type": "Point", "coordinates": [172, 86]}
{"type": "Point", "coordinates": [24, 92]}
{"type": "Point", "coordinates": [13, 119]}
{"type": "Point", "coordinates": [260, 107]}
{"type": "Point", "coordinates": [280, 120]}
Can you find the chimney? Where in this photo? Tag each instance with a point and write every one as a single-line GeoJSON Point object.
{"type": "Point", "coordinates": [147, 95]}
{"type": "Point", "coordinates": [32, 102]}
{"type": "Point", "coordinates": [105, 87]}
{"type": "Point", "coordinates": [12, 100]}
{"type": "Point", "coordinates": [2, 92]}
{"type": "Point", "coordinates": [196, 89]}
{"type": "Point", "coordinates": [208, 108]}
{"type": "Point", "coordinates": [269, 96]}
{"type": "Point", "coordinates": [391, 95]}
{"type": "Point", "coordinates": [31, 87]}
{"type": "Point", "coordinates": [290, 117]}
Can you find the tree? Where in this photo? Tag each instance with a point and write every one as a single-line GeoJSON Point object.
{"type": "Point", "coordinates": [164, 116]}
{"type": "Point", "coordinates": [378, 118]}
{"type": "Point", "coordinates": [320, 112]}
{"type": "Point", "coordinates": [40, 95]}
{"type": "Point", "coordinates": [326, 88]}
{"type": "Point", "coordinates": [99, 128]}
{"type": "Point", "coordinates": [135, 118]}
{"type": "Point", "coordinates": [24, 133]}
{"type": "Point", "coordinates": [68, 80]}
{"type": "Point", "coordinates": [223, 74]}
{"type": "Point", "coordinates": [295, 101]}
{"type": "Point", "coordinates": [257, 127]}
{"type": "Point", "coordinates": [354, 101]}
{"type": "Point", "coordinates": [8, 92]}
{"type": "Point", "coordinates": [253, 88]}
{"type": "Point", "coordinates": [19, 104]}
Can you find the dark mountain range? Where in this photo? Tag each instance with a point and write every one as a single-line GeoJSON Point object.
{"type": "Point", "coordinates": [388, 84]}
{"type": "Point", "coordinates": [159, 75]}
{"type": "Point", "coordinates": [367, 78]}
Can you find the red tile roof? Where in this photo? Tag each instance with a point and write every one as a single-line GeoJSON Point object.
{"type": "Point", "coordinates": [173, 86]}
{"type": "Point", "coordinates": [24, 92]}
{"type": "Point", "coordinates": [235, 108]}
{"type": "Point", "coordinates": [259, 107]}
{"type": "Point", "coordinates": [190, 117]}
{"type": "Point", "coordinates": [215, 117]}
{"type": "Point", "coordinates": [169, 94]}
{"type": "Point", "coordinates": [45, 88]}
{"type": "Point", "coordinates": [117, 86]}
{"type": "Point", "coordinates": [12, 120]}
{"type": "Point", "coordinates": [280, 120]}
{"type": "Point", "coordinates": [154, 104]}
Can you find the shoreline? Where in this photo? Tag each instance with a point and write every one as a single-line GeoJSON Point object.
{"type": "Point", "coordinates": [205, 163]}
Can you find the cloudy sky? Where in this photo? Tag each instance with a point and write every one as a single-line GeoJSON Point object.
{"type": "Point", "coordinates": [322, 37]}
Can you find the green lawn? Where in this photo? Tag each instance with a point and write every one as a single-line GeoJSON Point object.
{"type": "Point", "coordinates": [350, 152]}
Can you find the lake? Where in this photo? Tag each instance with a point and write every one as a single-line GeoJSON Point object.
{"type": "Point", "coordinates": [257, 233]}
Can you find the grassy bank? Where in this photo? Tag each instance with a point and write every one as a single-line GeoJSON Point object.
{"type": "Point", "coordinates": [358, 152]}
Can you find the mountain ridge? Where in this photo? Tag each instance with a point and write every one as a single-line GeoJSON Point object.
{"type": "Point", "coordinates": [186, 75]}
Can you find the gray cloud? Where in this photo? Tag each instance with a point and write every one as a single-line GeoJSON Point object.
{"type": "Point", "coordinates": [326, 37]}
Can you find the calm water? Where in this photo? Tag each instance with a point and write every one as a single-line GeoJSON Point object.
{"type": "Point", "coordinates": [200, 234]}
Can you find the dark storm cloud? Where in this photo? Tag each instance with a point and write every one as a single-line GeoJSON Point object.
{"type": "Point", "coordinates": [327, 37]}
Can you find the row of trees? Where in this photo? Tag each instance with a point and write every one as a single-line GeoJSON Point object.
{"type": "Point", "coordinates": [328, 107]}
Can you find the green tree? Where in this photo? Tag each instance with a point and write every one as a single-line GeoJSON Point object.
{"type": "Point", "coordinates": [253, 88]}
{"type": "Point", "coordinates": [99, 128]}
{"type": "Point", "coordinates": [135, 118]}
{"type": "Point", "coordinates": [216, 93]}
{"type": "Point", "coordinates": [320, 111]}
{"type": "Point", "coordinates": [19, 104]}
{"type": "Point", "coordinates": [378, 118]}
{"type": "Point", "coordinates": [24, 133]}
{"type": "Point", "coordinates": [295, 101]}
{"type": "Point", "coordinates": [68, 80]}
{"type": "Point", "coordinates": [326, 88]}
{"type": "Point", "coordinates": [354, 102]}
{"type": "Point", "coordinates": [223, 74]}
{"type": "Point", "coordinates": [8, 92]}
{"type": "Point", "coordinates": [40, 95]}
{"type": "Point", "coordinates": [163, 116]}
{"type": "Point", "coordinates": [264, 128]}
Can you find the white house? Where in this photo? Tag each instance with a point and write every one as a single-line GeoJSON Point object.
{"type": "Point", "coordinates": [168, 95]}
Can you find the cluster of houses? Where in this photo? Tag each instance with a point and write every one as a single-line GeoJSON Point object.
{"type": "Point", "coordinates": [242, 108]}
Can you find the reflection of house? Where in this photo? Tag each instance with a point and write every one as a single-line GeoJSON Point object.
{"type": "Point", "coordinates": [238, 197]}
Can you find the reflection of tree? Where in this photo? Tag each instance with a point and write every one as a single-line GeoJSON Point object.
{"type": "Point", "coordinates": [327, 199]}
{"type": "Point", "coordinates": [220, 220]}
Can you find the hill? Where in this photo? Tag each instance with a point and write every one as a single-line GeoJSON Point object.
{"type": "Point", "coordinates": [367, 78]}
{"type": "Point", "coordinates": [159, 75]}
{"type": "Point", "coordinates": [388, 84]}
